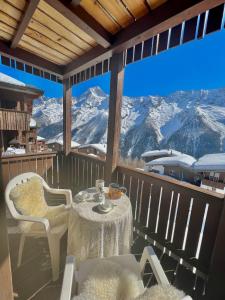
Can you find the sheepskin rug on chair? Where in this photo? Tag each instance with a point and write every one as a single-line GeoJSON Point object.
{"type": "Point", "coordinates": [108, 281]}
{"type": "Point", "coordinates": [162, 292]}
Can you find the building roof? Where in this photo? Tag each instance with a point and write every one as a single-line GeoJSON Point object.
{"type": "Point", "coordinates": [7, 79]}
{"type": "Point", "coordinates": [100, 147]}
{"type": "Point", "coordinates": [40, 138]}
{"type": "Point", "coordinates": [162, 152]}
{"type": "Point", "coordinates": [14, 141]}
{"type": "Point", "coordinates": [13, 85]}
{"type": "Point", "coordinates": [184, 161]}
{"type": "Point", "coordinates": [59, 140]}
{"type": "Point", "coordinates": [210, 162]}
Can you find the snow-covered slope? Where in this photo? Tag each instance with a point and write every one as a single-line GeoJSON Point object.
{"type": "Point", "coordinates": [192, 122]}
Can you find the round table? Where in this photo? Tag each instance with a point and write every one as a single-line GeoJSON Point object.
{"type": "Point", "coordinates": [93, 234]}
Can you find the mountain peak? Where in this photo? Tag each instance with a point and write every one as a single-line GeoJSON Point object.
{"type": "Point", "coordinates": [95, 91]}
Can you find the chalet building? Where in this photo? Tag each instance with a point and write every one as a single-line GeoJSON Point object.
{"type": "Point", "coordinates": [41, 144]}
{"type": "Point", "coordinates": [98, 150]}
{"type": "Point", "coordinates": [16, 124]}
{"type": "Point", "coordinates": [211, 170]}
{"type": "Point", "coordinates": [155, 154]}
{"type": "Point", "coordinates": [178, 167]}
{"type": "Point", "coordinates": [56, 144]}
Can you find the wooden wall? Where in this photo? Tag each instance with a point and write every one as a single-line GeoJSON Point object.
{"type": "Point", "coordinates": [14, 120]}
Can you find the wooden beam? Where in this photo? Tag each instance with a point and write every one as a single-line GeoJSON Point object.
{"type": "Point", "coordinates": [83, 20]}
{"type": "Point", "coordinates": [92, 57]}
{"type": "Point", "coordinates": [166, 16]}
{"type": "Point", "coordinates": [6, 289]}
{"type": "Point", "coordinates": [30, 59]}
{"type": "Point", "coordinates": [31, 7]}
{"type": "Point", "coordinates": [67, 118]}
{"type": "Point", "coordinates": [114, 120]}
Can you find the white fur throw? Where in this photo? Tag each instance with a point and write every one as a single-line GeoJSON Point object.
{"type": "Point", "coordinates": [108, 281]}
{"type": "Point", "coordinates": [29, 200]}
{"type": "Point", "coordinates": [161, 292]}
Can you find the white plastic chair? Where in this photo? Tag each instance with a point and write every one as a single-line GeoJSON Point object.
{"type": "Point", "coordinates": [73, 278]}
{"type": "Point", "coordinates": [53, 234]}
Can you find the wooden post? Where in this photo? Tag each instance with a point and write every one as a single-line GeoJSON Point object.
{"type": "Point", "coordinates": [114, 120]}
{"type": "Point", "coordinates": [215, 287]}
{"type": "Point", "coordinates": [67, 118]}
{"type": "Point", "coordinates": [6, 289]}
{"type": "Point", "coordinates": [18, 105]}
{"type": "Point", "coordinates": [2, 146]}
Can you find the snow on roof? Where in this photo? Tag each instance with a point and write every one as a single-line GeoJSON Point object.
{"type": "Point", "coordinates": [40, 138]}
{"type": "Point", "coordinates": [93, 155]}
{"type": "Point", "coordinates": [59, 141]}
{"type": "Point", "coordinates": [210, 162]}
{"type": "Point", "coordinates": [33, 123]}
{"type": "Point", "coordinates": [169, 152]}
{"type": "Point", "coordinates": [11, 80]}
{"type": "Point", "coordinates": [99, 147]}
{"type": "Point", "coordinates": [184, 160]}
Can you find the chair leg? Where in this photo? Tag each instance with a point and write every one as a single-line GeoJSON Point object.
{"type": "Point", "coordinates": [21, 246]}
{"type": "Point", "coordinates": [54, 249]}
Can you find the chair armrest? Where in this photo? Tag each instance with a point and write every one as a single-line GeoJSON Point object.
{"type": "Point", "coordinates": [43, 221]}
{"type": "Point", "coordinates": [68, 278]}
{"type": "Point", "coordinates": [67, 193]}
{"type": "Point", "coordinates": [149, 255]}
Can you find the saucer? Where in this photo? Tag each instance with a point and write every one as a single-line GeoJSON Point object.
{"type": "Point", "coordinates": [82, 196]}
{"type": "Point", "coordinates": [105, 208]}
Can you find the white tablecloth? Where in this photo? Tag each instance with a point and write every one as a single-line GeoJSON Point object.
{"type": "Point", "coordinates": [92, 234]}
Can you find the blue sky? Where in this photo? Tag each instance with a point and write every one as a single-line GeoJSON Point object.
{"type": "Point", "coordinates": [195, 65]}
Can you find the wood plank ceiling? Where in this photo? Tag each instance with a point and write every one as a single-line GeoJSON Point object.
{"type": "Point", "coordinates": [54, 37]}
{"type": "Point", "coordinates": [115, 15]}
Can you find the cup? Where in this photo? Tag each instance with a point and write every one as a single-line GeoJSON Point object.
{"type": "Point", "coordinates": [99, 184]}
{"type": "Point", "coordinates": [116, 191]}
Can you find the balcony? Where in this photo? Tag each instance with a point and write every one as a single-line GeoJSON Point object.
{"type": "Point", "coordinates": [14, 120]}
{"type": "Point", "coordinates": [183, 223]}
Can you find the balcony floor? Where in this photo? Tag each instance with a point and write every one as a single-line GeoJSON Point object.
{"type": "Point", "coordinates": [32, 280]}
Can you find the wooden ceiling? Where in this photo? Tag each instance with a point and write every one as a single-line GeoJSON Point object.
{"type": "Point", "coordinates": [52, 36]}
{"type": "Point", "coordinates": [115, 15]}
{"type": "Point", "coordinates": [61, 35]}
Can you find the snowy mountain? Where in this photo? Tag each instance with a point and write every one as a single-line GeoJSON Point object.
{"type": "Point", "coordinates": [188, 121]}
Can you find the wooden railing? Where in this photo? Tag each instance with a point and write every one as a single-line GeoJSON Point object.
{"type": "Point", "coordinates": [45, 164]}
{"type": "Point", "coordinates": [186, 222]}
{"type": "Point", "coordinates": [181, 219]}
{"type": "Point", "coordinates": [14, 120]}
{"type": "Point", "coordinates": [80, 170]}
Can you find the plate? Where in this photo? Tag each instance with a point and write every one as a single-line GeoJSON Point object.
{"type": "Point", "coordinates": [82, 196]}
